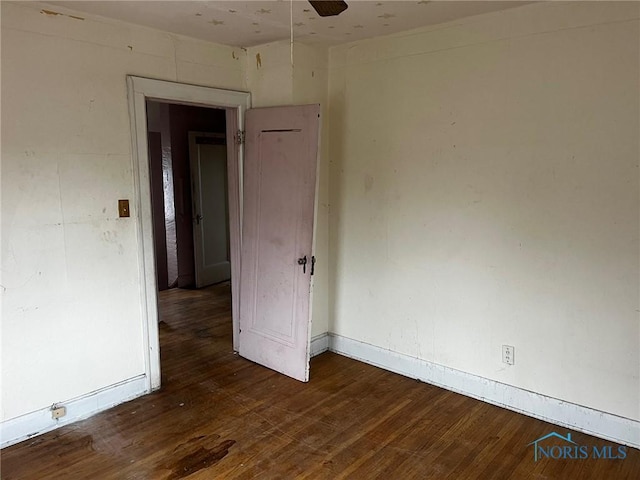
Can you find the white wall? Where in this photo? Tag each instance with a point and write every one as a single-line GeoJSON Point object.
{"type": "Point", "coordinates": [273, 81]}
{"type": "Point", "coordinates": [71, 318]}
{"type": "Point", "coordinates": [484, 191]}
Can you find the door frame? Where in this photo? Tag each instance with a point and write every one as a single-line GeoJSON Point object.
{"type": "Point", "coordinates": [235, 103]}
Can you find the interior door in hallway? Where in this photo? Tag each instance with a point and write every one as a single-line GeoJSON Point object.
{"type": "Point", "coordinates": [208, 159]}
{"type": "Point", "coordinates": [280, 167]}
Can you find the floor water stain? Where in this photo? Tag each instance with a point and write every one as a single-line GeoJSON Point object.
{"type": "Point", "coordinates": [199, 459]}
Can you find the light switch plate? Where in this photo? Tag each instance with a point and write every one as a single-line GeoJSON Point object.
{"type": "Point", "coordinates": [123, 208]}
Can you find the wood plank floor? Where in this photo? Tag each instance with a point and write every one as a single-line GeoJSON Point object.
{"type": "Point", "coordinates": [220, 416]}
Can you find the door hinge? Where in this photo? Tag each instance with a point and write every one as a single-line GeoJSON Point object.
{"type": "Point", "coordinates": [240, 137]}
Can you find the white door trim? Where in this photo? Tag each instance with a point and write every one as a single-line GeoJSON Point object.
{"type": "Point", "coordinates": [139, 90]}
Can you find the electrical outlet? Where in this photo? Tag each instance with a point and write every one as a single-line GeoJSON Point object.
{"type": "Point", "coordinates": [58, 411]}
{"type": "Point", "coordinates": [508, 354]}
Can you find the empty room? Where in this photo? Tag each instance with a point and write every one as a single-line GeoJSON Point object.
{"type": "Point", "coordinates": [336, 239]}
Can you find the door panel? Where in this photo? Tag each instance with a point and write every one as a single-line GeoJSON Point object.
{"type": "Point", "coordinates": [208, 158]}
{"type": "Point", "coordinates": [280, 194]}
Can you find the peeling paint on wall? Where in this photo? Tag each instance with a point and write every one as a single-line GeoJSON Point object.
{"type": "Point", "coordinates": [55, 14]}
{"type": "Point", "coordinates": [50, 12]}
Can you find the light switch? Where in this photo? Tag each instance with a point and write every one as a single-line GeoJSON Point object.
{"type": "Point", "coordinates": [123, 208]}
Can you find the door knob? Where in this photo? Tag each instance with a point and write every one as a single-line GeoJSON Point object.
{"type": "Point", "coordinates": [303, 261]}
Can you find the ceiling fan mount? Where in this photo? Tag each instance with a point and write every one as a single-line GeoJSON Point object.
{"type": "Point", "coordinates": [329, 8]}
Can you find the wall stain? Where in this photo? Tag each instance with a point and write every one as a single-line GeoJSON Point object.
{"type": "Point", "coordinates": [110, 237]}
{"type": "Point", "coordinates": [55, 14]}
{"type": "Point", "coordinates": [258, 61]}
{"type": "Point", "coordinates": [368, 183]}
{"type": "Point", "coordinates": [199, 459]}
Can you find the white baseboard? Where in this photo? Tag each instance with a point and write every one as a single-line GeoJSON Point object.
{"type": "Point", "coordinates": [36, 423]}
{"type": "Point", "coordinates": [600, 424]}
{"type": "Point", "coordinates": [319, 344]}
{"type": "Point", "coordinates": [593, 422]}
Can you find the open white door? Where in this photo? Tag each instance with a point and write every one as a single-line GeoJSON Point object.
{"type": "Point", "coordinates": [281, 153]}
{"type": "Point", "coordinates": [208, 159]}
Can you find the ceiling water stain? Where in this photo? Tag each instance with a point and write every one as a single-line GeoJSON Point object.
{"type": "Point", "coordinates": [258, 61]}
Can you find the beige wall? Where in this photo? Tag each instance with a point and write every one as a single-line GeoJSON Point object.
{"type": "Point", "coordinates": [71, 309]}
{"type": "Point", "coordinates": [484, 191]}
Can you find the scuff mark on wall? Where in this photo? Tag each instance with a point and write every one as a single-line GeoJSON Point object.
{"type": "Point", "coordinates": [258, 61]}
{"type": "Point", "coordinates": [368, 183]}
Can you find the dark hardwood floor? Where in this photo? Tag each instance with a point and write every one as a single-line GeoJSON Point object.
{"type": "Point", "coordinates": [220, 416]}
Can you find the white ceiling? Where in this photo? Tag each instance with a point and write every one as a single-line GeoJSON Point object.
{"type": "Point", "coordinates": [245, 24]}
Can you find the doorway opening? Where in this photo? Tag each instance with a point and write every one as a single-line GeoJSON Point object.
{"type": "Point", "coordinates": [175, 95]}
{"type": "Point", "coordinates": [187, 148]}
{"type": "Point", "coordinates": [280, 192]}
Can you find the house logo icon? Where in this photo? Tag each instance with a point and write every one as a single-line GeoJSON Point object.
{"type": "Point", "coordinates": [547, 436]}
{"type": "Point", "coordinates": [570, 450]}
